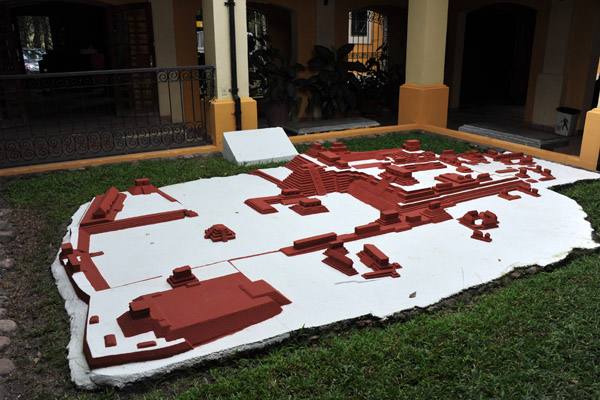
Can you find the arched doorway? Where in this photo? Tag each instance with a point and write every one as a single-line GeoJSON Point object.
{"type": "Point", "coordinates": [495, 75]}
{"type": "Point", "coordinates": [272, 55]}
{"type": "Point", "coordinates": [497, 55]}
{"type": "Point", "coordinates": [379, 33]}
{"type": "Point", "coordinates": [274, 22]}
{"type": "Point", "coordinates": [368, 31]}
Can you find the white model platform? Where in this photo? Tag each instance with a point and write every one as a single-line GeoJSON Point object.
{"type": "Point", "coordinates": [135, 254]}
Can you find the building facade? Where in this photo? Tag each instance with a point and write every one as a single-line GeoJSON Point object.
{"type": "Point", "coordinates": [539, 54]}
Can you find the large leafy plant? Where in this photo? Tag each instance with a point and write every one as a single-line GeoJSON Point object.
{"type": "Point", "coordinates": [334, 84]}
{"type": "Point", "coordinates": [272, 76]}
{"type": "Point", "coordinates": [382, 80]}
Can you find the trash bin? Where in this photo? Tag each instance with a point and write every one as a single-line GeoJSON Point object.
{"type": "Point", "coordinates": [566, 121]}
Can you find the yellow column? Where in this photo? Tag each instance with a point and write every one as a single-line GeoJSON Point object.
{"type": "Point", "coordinates": [424, 97]}
{"type": "Point", "coordinates": [217, 47]}
{"type": "Point", "coordinates": [590, 146]}
{"type": "Point", "coordinates": [169, 96]}
{"type": "Point", "coordinates": [551, 82]}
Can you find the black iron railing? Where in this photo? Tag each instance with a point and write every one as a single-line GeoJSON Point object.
{"type": "Point", "coordinates": [368, 31]}
{"type": "Point", "coordinates": [67, 116]}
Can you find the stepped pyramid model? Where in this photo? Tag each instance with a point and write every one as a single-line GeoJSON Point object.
{"type": "Point", "coordinates": [312, 179]}
{"type": "Point", "coordinates": [219, 233]}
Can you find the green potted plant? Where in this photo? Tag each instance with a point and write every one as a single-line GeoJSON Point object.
{"type": "Point", "coordinates": [276, 80]}
{"type": "Point", "coordinates": [371, 93]}
{"type": "Point", "coordinates": [379, 86]}
{"type": "Point", "coordinates": [333, 86]}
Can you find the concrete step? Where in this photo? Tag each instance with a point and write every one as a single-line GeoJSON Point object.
{"type": "Point", "coordinates": [515, 134]}
{"type": "Point", "coordinates": [327, 125]}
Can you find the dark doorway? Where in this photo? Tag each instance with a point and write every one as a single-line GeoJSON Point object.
{"type": "Point", "coordinates": [74, 40]}
{"type": "Point", "coordinates": [273, 22]}
{"type": "Point", "coordinates": [497, 55]}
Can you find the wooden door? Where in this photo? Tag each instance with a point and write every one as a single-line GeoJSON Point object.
{"type": "Point", "coordinates": [131, 41]}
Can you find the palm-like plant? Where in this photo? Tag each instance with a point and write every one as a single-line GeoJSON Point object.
{"type": "Point", "coordinates": [334, 84]}
{"type": "Point", "coordinates": [274, 76]}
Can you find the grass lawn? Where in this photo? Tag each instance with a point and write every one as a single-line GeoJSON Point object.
{"type": "Point", "coordinates": [535, 337]}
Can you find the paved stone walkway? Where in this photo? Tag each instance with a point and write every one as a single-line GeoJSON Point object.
{"type": "Point", "coordinates": [7, 326]}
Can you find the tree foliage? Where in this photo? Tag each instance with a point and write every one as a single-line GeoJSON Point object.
{"type": "Point", "coordinates": [34, 31]}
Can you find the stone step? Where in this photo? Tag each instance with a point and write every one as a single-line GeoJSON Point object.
{"type": "Point", "coordinates": [328, 125]}
{"type": "Point", "coordinates": [520, 135]}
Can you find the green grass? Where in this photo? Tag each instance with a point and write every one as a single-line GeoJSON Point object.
{"type": "Point", "coordinates": [429, 142]}
{"type": "Point", "coordinates": [536, 337]}
{"type": "Point", "coordinates": [521, 341]}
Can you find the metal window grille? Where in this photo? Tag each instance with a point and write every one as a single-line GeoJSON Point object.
{"type": "Point", "coordinates": [67, 116]}
{"type": "Point", "coordinates": [368, 31]}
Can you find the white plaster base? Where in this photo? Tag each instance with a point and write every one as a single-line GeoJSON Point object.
{"type": "Point", "coordinates": [438, 260]}
{"type": "Point", "coordinates": [258, 146]}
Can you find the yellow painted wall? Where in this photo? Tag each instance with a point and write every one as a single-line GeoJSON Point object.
{"type": "Point", "coordinates": [539, 40]}
{"type": "Point", "coordinates": [184, 23]}
{"type": "Point", "coordinates": [580, 55]}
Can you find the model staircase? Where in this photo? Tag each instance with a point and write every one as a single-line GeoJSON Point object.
{"type": "Point", "coordinates": [317, 182]}
{"type": "Point", "coordinates": [312, 179]}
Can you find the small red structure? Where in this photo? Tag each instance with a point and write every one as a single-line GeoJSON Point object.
{"type": "Point", "coordinates": [546, 173]}
{"type": "Point", "coordinates": [522, 173]}
{"type": "Point", "coordinates": [481, 220]}
{"type": "Point", "coordinates": [309, 244]}
{"type": "Point", "coordinates": [480, 236]}
{"type": "Point", "coordinates": [404, 157]}
{"type": "Point", "coordinates": [412, 145]}
{"type": "Point", "coordinates": [506, 195]}
{"type": "Point", "coordinates": [143, 186]}
{"type": "Point", "coordinates": [110, 340]}
{"type": "Point", "coordinates": [400, 175]}
{"type": "Point", "coordinates": [145, 345]}
{"type": "Point", "coordinates": [449, 157]}
{"type": "Point", "coordinates": [182, 276]}
{"type": "Point", "coordinates": [76, 261]}
{"type": "Point", "coordinates": [474, 157]}
{"type": "Point", "coordinates": [388, 217]}
{"type": "Point", "coordinates": [289, 195]}
{"type": "Point", "coordinates": [219, 233]}
{"type": "Point", "coordinates": [485, 177]}
{"type": "Point", "coordinates": [337, 259]}
{"type": "Point", "coordinates": [507, 170]}
{"type": "Point", "coordinates": [338, 147]}
{"type": "Point", "coordinates": [436, 213]}
{"type": "Point", "coordinates": [511, 158]}
{"type": "Point", "coordinates": [338, 246]}
{"type": "Point", "coordinates": [308, 206]}
{"type": "Point", "coordinates": [104, 208]}
{"type": "Point", "coordinates": [375, 259]}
